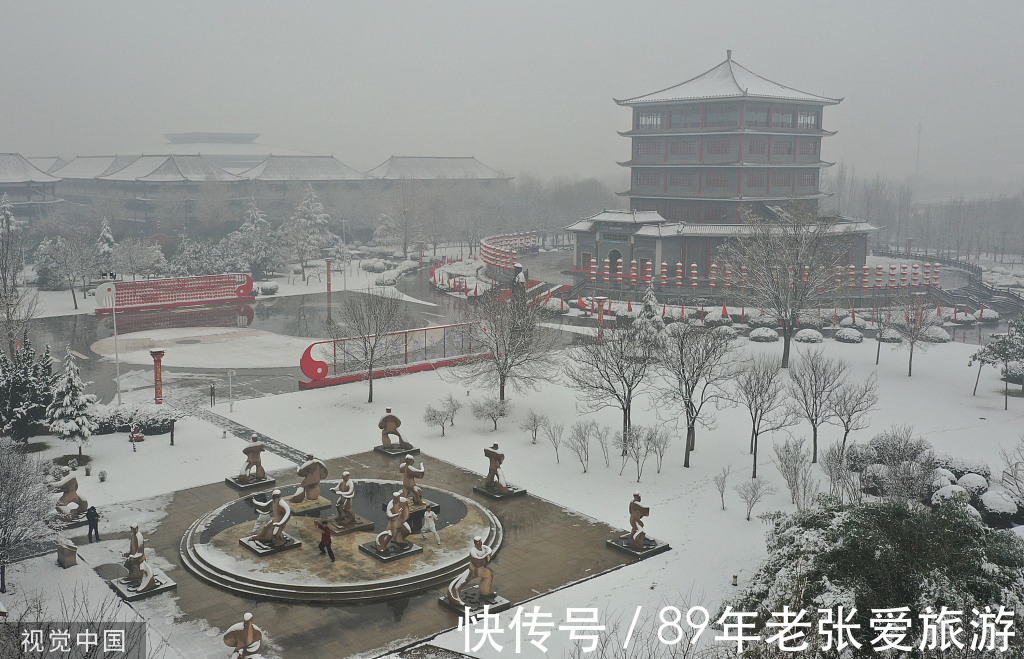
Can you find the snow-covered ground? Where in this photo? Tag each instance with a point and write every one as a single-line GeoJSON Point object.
{"type": "Point", "coordinates": [200, 455]}
{"type": "Point", "coordinates": [207, 347]}
{"type": "Point", "coordinates": [709, 545]}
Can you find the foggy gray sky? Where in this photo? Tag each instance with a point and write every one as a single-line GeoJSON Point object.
{"type": "Point", "coordinates": [526, 86]}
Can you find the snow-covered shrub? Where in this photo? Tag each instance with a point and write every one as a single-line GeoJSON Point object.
{"type": "Point", "coordinates": [856, 323]}
{"type": "Point", "coordinates": [988, 316]}
{"type": "Point", "coordinates": [949, 492]}
{"type": "Point", "coordinates": [945, 473]}
{"type": "Point", "coordinates": [388, 279]}
{"type": "Point", "coordinates": [727, 331]}
{"type": "Point", "coordinates": [764, 335]}
{"type": "Point", "coordinates": [848, 335]}
{"type": "Point", "coordinates": [940, 481]}
{"type": "Point", "coordinates": [1014, 372]}
{"type": "Point", "coordinates": [810, 320]}
{"type": "Point", "coordinates": [88, 470]}
{"type": "Point", "coordinates": [890, 335]}
{"type": "Point", "coordinates": [809, 336]}
{"type": "Point", "coordinates": [716, 319]}
{"type": "Point", "coordinates": [153, 419]}
{"type": "Point", "coordinates": [960, 466]}
{"type": "Point", "coordinates": [973, 483]}
{"type": "Point", "coordinates": [73, 464]}
{"type": "Point", "coordinates": [270, 288]}
{"type": "Point", "coordinates": [935, 334]}
{"type": "Point", "coordinates": [756, 320]}
{"type": "Point", "coordinates": [874, 478]}
{"type": "Point", "coordinates": [374, 265]}
{"type": "Point", "coordinates": [997, 508]}
{"type": "Point", "coordinates": [102, 476]}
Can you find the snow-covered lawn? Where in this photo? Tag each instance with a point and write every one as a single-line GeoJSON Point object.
{"type": "Point", "coordinates": [709, 545]}
{"type": "Point", "coordinates": [200, 455]}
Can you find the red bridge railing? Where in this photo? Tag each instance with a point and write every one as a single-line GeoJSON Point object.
{"type": "Point", "coordinates": [500, 251]}
{"type": "Point", "coordinates": [174, 292]}
{"type": "Point", "coordinates": [338, 361]}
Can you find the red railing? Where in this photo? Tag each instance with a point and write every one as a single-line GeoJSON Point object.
{"type": "Point", "coordinates": [174, 292]}
{"type": "Point", "coordinates": [500, 251]}
{"type": "Point", "coordinates": [337, 361]}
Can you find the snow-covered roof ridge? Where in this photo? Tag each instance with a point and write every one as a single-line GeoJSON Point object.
{"type": "Point", "coordinates": [15, 168]}
{"type": "Point", "coordinates": [728, 80]}
{"type": "Point", "coordinates": [434, 167]}
{"type": "Point", "coordinates": [82, 167]}
{"type": "Point", "coordinates": [48, 164]}
{"type": "Point", "coordinates": [171, 168]}
{"type": "Point", "coordinates": [302, 168]}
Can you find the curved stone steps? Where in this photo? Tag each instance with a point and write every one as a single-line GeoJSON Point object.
{"type": "Point", "coordinates": [348, 593]}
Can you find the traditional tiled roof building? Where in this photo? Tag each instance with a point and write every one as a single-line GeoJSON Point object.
{"type": "Point", "coordinates": [29, 189]}
{"type": "Point", "coordinates": [704, 153]}
{"type": "Point", "coordinates": [436, 170]}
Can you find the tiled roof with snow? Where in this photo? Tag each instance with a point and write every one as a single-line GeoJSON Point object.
{"type": "Point", "coordinates": [15, 168]}
{"type": "Point", "coordinates": [171, 168]}
{"type": "Point", "coordinates": [47, 164]}
{"type": "Point", "coordinates": [302, 168]}
{"type": "Point", "coordinates": [431, 168]}
{"type": "Point", "coordinates": [728, 80]}
{"type": "Point", "coordinates": [93, 166]}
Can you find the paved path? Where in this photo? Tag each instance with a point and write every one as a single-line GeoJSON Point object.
{"type": "Point", "coordinates": [238, 430]}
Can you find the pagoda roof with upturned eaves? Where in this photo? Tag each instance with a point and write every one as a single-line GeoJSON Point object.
{"type": "Point", "coordinates": [15, 168]}
{"type": "Point", "coordinates": [728, 80]}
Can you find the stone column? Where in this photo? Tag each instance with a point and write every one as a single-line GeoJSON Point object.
{"type": "Point", "coordinates": [158, 376]}
{"type": "Point", "coordinates": [328, 275]}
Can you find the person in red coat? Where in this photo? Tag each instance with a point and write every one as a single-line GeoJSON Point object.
{"type": "Point", "coordinates": [325, 539]}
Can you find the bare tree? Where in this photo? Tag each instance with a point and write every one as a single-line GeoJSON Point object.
{"type": "Point", "coordinates": [1013, 470]}
{"type": "Point", "coordinates": [435, 417]}
{"type": "Point", "coordinates": [578, 441]}
{"type": "Point", "coordinates": [18, 303]}
{"type": "Point", "coordinates": [659, 439]}
{"type": "Point", "coordinates": [752, 491]}
{"type": "Point", "coordinates": [851, 404]}
{"type": "Point", "coordinates": [794, 464]}
{"type": "Point", "coordinates": [603, 433]}
{"type": "Point", "coordinates": [134, 257]}
{"type": "Point", "coordinates": [516, 349]}
{"type": "Point", "coordinates": [790, 264]}
{"type": "Point", "coordinates": [611, 372]}
{"type": "Point", "coordinates": [73, 258]}
{"type": "Point", "coordinates": [814, 379]}
{"type": "Point", "coordinates": [26, 506]}
{"type": "Point", "coordinates": [914, 319]}
{"type": "Point", "coordinates": [491, 408]}
{"type": "Point", "coordinates": [451, 405]}
{"type": "Point", "coordinates": [695, 364]}
{"type": "Point", "coordinates": [721, 479]}
{"type": "Point", "coordinates": [553, 431]}
{"type": "Point", "coordinates": [840, 478]}
{"type": "Point", "coordinates": [759, 389]}
{"type": "Point", "coordinates": [371, 320]}
{"type": "Point", "coordinates": [636, 445]}
{"type": "Point", "coordinates": [533, 423]}
{"type": "Point", "coordinates": [401, 222]}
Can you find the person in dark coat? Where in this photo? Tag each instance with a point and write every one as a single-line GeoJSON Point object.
{"type": "Point", "coordinates": [325, 539]}
{"type": "Point", "coordinates": [93, 517]}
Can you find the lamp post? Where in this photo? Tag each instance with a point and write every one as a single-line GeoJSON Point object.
{"type": "Point", "coordinates": [231, 393]}
{"type": "Point", "coordinates": [111, 290]}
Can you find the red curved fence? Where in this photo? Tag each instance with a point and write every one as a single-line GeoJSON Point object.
{"type": "Point", "coordinates": [327, 363]}
{"type": "Point", "coordinates": [174, 292]}
{"type": "Point", "coordinates": [500, 251]}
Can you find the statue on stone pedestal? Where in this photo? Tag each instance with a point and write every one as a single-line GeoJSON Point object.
{"type": "Point", "coordinates": [409, 475]}
{"type": "Point", "coordinates": [495, 477]}
{"type": "Point", "coordinates": [244, 638]}
{"type": "Point", "coordinates": [272, 534]}
{"type": "Point", "coordinates": [389, 426]}
{"type": "Point", "coordinates": [479, 556]}
{"type": "Point", "coordinates": [140, 572]}
{"type": "Point", "coordinates": [636, 523]}
{"type": "Point", "coordinates": [398, 523]}
{"type": "Point", "coordinates": [135, 556]}
{"type": "Point", "coordinates": [253, 467]}
{"type": "Point", "coordinates": [70, 504]}
{"type": "Point", "coordinates": [312, 471]}
{"type": "Point", "coordinates": [346, 491]}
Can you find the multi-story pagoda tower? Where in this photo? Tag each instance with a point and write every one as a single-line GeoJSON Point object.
{"type": "Point", "coordinates": [728, 138]}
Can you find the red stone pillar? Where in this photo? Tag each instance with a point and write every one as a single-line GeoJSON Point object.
{"type": "Point", "coordinates": [158, 376]}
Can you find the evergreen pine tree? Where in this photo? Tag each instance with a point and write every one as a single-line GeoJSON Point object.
{"type": "Point", "coordinates": [105, 248]}
{"type": "Point", "coordinates": [26, 390]}
{"type": "Point", "coordinates": [67, 413]}
{"type": "Point", "coordinates": [649, 321]}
